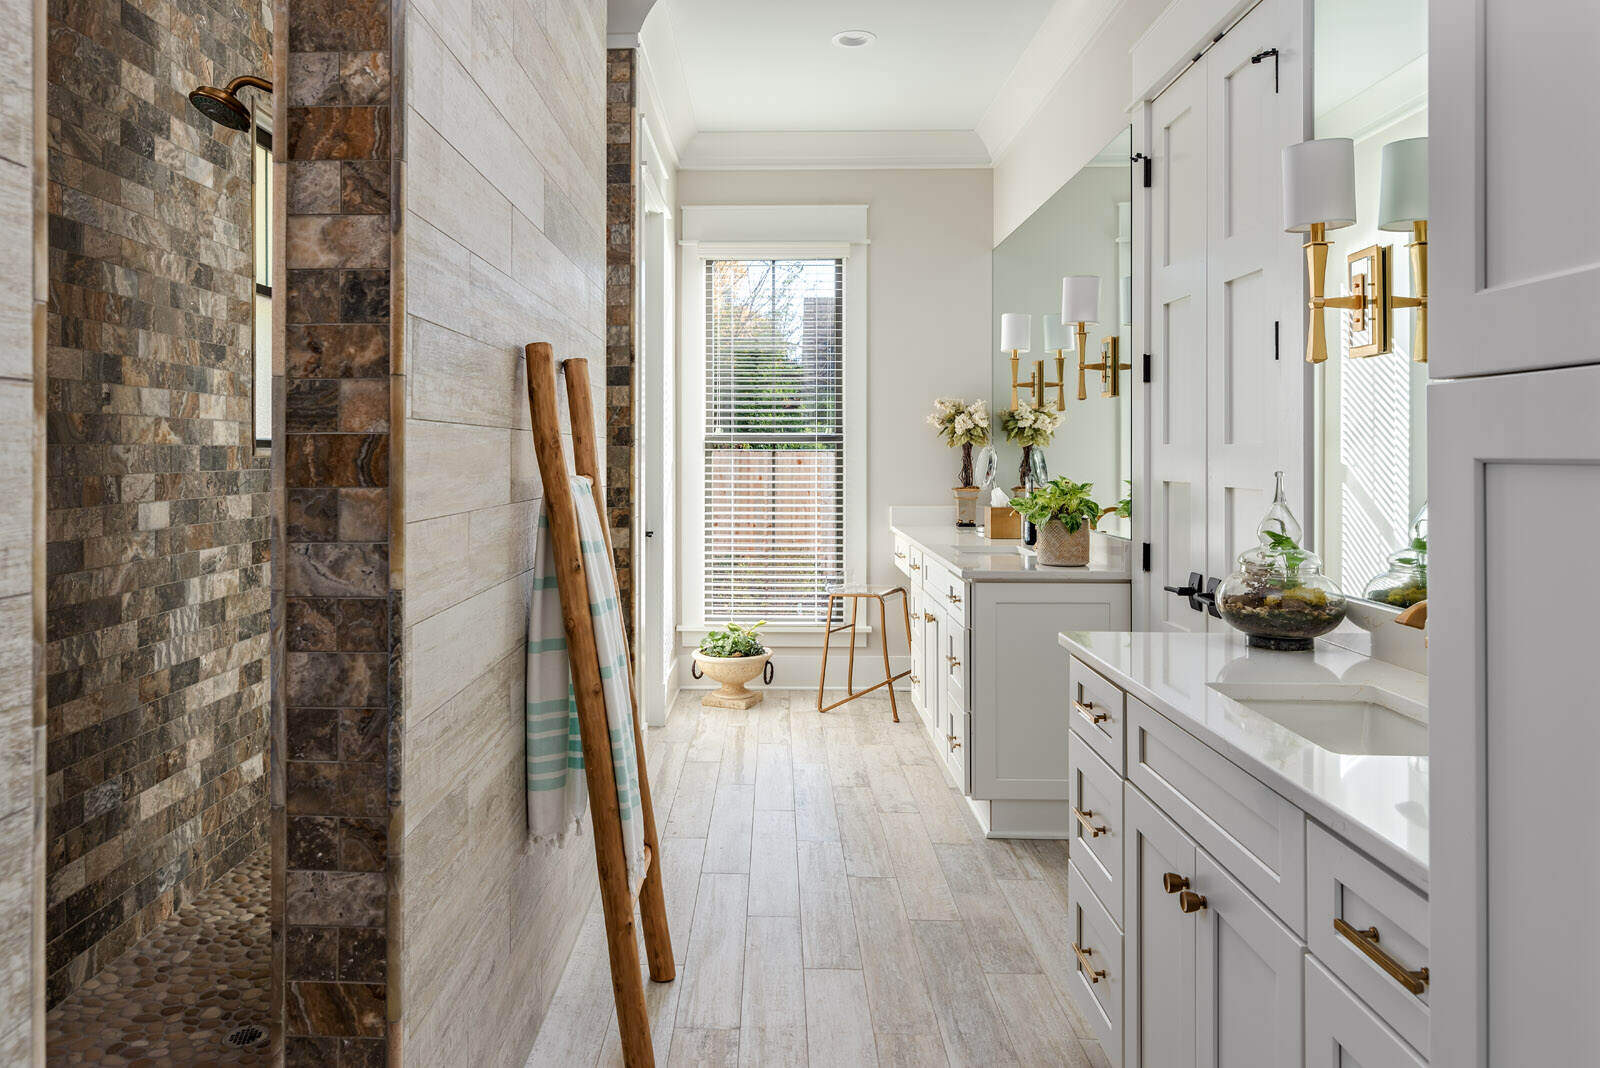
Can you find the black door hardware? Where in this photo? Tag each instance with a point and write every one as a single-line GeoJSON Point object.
{"type": "Point", "coordinates": [1140, 157]}
{"type": "Point", "coordinates": [1209, 598]}
{"type": "Point", "coordinates": [1191, 590]}
{"type": "Point", "coordinates": [1259, 56]}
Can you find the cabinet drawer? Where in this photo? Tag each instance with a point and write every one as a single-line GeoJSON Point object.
{"type": "Point", "coordinates": [1095, 793]}
{"type": "Point", "coordinates": [1343, 885]}
{"type": "Point", "coordinates": [1341, 1031]}
{"type": "Point", "coordinates": [902, 556]}
{"type": "Point", "coordinates": [945, 589]}
{"type": "Point", "coordinates": [1096, 712]}
{"type": "Point", "coordinates": [1257, 835]}
{"type": "Point", "coordinates": [953, 660]}
{"type": "Point", "coordinates": [1096, 981]}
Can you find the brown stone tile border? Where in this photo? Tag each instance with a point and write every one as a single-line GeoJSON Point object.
{"type": "Point", "coordinates": [622, 258]}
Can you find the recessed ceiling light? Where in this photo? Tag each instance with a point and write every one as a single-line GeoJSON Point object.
{"type": "Point", "coordinates": [854, 38]}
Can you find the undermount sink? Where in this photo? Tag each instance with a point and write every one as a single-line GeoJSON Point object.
{"type": "Point", "coordinates": [1358, 720]}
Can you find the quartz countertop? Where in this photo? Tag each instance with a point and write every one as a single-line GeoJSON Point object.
{"type": "Point", "coordinates": [974, 557]}
{"type": "Point", "coordinates": [1378, 803]}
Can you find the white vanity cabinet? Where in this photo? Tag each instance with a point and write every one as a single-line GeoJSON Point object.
{"type": "Point", "coordinates": [988, 674]}
{"type": "Point", "coordinates": [1251, 935]}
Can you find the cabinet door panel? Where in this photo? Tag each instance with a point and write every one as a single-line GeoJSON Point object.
{"type": "Point", "coordinates": [1515, 256]}
{"type": "Point", "coordinates": [1159, 1028]}
{"type": "Point", "coordinates": [1341, 1032]}
{"type": "Point", "coordinates": [1248, 978]}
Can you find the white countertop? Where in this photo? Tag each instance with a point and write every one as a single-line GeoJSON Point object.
{"type": "Point", "coordinates": [976, 558]}
{"type": "Point", "coordinates": [1378, 803]}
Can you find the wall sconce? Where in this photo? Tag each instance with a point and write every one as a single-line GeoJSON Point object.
{"type": "Point", "coordinates": [1016, 332]}
{"type": "Point", "coordinates": [1319, 194]}
{"type": "Point", "coordinates": [1080, 306]}
{"type": "Point", "coordinates": [1109, 368]}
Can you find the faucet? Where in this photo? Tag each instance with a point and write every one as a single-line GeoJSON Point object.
{"type": "Point", "coordinates": [1415, 616]}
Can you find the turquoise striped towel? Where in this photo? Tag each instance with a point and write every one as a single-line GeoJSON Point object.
{"type": "Point", "coordinates": [557, 790]}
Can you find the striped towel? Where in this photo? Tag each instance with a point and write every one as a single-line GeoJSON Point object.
{"type": "Point", "coordinates": [557, 790]}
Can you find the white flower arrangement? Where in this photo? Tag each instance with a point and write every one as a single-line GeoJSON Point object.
{"type": "Point", "coordinates": [959, 423]}
{"type": "Point", "coordinates": [1030, 425]}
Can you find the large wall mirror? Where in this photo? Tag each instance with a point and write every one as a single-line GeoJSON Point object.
{"type": "Point", "coordinates": [1083, 234]}
{"type": "Point", "coordinates": [1371, 71]}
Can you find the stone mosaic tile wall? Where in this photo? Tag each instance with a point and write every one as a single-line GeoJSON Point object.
{"type": "Point", "coordinates": [504, 244]}
{"type": "Point", "coordinates": [157, 526]}
{"type": "Point", "coordinates": [622, 332]}
{"type": "Point", "coordinates": [21, 731]}
{"type": "Point", "coordinates": [341, 615]}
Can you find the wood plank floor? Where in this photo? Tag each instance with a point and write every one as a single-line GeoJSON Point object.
{"type": "Point", "coordinates": [832, 902]}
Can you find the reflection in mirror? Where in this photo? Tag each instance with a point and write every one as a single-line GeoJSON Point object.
{"type": "Point", "coordinates": [1067, 273]}
{"type": "Point", "coordinates": [1371, 66]}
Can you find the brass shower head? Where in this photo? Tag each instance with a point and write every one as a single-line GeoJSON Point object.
{"type": "Point", "coordinates": [222, 106]}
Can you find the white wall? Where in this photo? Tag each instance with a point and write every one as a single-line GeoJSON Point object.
{"type": "Point", "coordinates": [928, 311]}
{"type": "Point", "coordinates": [1080, 115]}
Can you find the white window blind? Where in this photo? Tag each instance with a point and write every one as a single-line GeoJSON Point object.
{"type": "Point", "coordinates": [774, 536]}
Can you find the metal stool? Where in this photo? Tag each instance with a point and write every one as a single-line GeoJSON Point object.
{"type": "Point", "coordinates": [855, 594]}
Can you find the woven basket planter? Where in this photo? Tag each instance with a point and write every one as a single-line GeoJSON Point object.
{"type": "Point", "coordinates": [1058, 548]}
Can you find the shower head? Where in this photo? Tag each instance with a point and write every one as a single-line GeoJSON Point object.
{"type": "Point", "coordinates": [223, 106]}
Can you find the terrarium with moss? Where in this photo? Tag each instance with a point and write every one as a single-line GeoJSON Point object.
{"type": "Point", "coordinates": [1279, 596]}
{"type": "Point", "coordinates": [1405, 582]}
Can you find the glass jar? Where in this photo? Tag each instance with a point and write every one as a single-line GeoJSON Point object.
{"type": "Point", "coordinates": [1278, 595]}
{"type": "Point", "coordinates": [1406, 580]}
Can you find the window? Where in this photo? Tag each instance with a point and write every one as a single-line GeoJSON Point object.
{"type": "Point", "coordinates": [261, 222]}
{"type": "Point", "coordinates": [774, 475]}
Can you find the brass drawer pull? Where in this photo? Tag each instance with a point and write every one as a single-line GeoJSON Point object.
{"type": "Point", "coordinates": [1189, 901]}
{"type": "Point", "coordinates": [1172, 882]}
{"type": "Point", "coordinates": [1086, 710]}
{"type": "Point", "coordinates": [955, 598]}
{"type": "Point", "coordinates": [929, 617]}
{"type": "Point", "coordinates": [954, 745]}
{"type": "Point", "coordinates": [1367, 942]}
{"type": "Point", "coordinates": [1083, 818]}
{"type": "Point", "coordinates": [915, 681]}
{"type": "Point", "coordinates": [916, 567]}
{"type": "Point", "coordinates": [1087, 965]}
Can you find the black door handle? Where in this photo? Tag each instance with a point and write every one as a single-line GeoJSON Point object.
{"type": "Point", "coordinates": [1208, 599]}
{"type": "Point", "coordinates": [1191, 590]}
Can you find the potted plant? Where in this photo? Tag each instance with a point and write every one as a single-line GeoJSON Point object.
{"type": "Point", "coordinates": [1064, 513]}
{"type": "Point", "coordinates": [732, 657]}
{"type": "Point", "coordinates": [1031, 427]}
{"type": "Point", "coordinates": [964, 425]}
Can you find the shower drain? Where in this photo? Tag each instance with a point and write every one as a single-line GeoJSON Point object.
{"type": "Point", "coordinates": [248, 1035]}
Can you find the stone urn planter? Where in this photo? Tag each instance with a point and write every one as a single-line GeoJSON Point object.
{"type": "Point", "coordinates": [732, 672]}
{"type": "Point", "coordinates": [1058, 548]}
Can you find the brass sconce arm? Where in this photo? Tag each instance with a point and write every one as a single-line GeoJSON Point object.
{"type": "Point", "coordinates": [1316, 249]}
{"type": "Point", "coordinates": [1419, 282]}
{"type": "Point", "coordinates": [1110, 370]}
{"type": "Point", "coordinates": [1038, 384]}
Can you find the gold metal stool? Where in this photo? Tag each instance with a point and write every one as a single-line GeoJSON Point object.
{"type": "Point", "coordinates": [855, 594]}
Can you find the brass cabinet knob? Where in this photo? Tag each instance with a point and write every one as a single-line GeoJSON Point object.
{"type": "Point", "coordinates": [929, 617]}
{"type": "Point", "coordinates": [954, 663]}
{"type": "Point", "coordinates": [916, 567]}
{"type": "Point", "coordinates": [1086, 710]}
{"type": "Point", "coordinates": [954, 745]}
{"type": "Point", "coordinates": [1172, 882]}
{"type": "Point", "coordinates": [1189, 901]}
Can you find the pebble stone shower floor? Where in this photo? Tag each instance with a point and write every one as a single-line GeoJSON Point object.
{"type": "Point", "coordinates": [174, 997]}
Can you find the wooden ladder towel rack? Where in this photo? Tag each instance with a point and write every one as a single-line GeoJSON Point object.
{"type": "Point", "coordinates": [616, 895]}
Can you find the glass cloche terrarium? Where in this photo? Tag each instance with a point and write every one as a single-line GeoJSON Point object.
{"type": "Point", "coordinates": [1278, 595]}
{"type": "Point", "coordinates": [1406, 580]}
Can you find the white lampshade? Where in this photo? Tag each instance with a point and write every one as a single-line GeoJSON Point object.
{"type": "Point", "coordinates": [1016, 328]}
{"type": "Point", "coordinates": [1403, 194]}
{"type": "Point", "coordinates": [1080, 298]}
{"type": "Point", "coordinates": [1319, 184]}
{"type": "Point", "coordinates": [1056, 337]}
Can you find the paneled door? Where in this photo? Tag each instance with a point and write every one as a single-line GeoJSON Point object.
{"type": "Point", "coordinates": [1249, 978]}
{"type": "Point", "coordinates": [1514, 467]}
{"type": "Point", "coordinates": [1255, 380]}
{"type": "Point", "coordinates": [1515, 248]}
{"type": "Point", "coordinates": [1227, 395]}
{"type": "Point", "coordinates": [1159, 1003]}
{"type": "Point", "coordinates": [1177, 392]}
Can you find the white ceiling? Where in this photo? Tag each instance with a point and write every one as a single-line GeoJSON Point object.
{"type": "Point", "coordinates": [771, 64]}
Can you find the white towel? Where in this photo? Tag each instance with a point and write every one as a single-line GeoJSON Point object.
{"type": "Point", "coordinates": [556, 790]}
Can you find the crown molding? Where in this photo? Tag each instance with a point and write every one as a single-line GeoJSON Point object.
{"type": "Point", "coordinates": [1066, 33]}
{"type": "Point", "coordinates": [791, 150]}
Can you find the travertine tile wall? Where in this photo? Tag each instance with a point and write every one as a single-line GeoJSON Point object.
{"type": "Point", "coordinates": [157, 525]}
{"type": "Point", "coordinates": [504, 244]}
{"type": "Point", "coordinates": [341, 626]}
{"type": "Point", "coordinates": [622, 331]}
{"type": "Point", "coordinates": [21, 737]}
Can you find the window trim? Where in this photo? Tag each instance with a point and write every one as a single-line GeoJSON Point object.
{"type": "Point", "coordinates": [692, 414]}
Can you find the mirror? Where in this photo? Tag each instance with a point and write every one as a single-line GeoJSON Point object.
{"type": "Point", "coordinates": [1371, 64]}
{"type": "Point", "coordinates": [1083, 233]}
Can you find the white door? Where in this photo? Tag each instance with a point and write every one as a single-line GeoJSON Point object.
{"type": "Point", "coordinates": [1248, 978]}
{"type": "Point", "coordinates": [1255, 380]}
{"type": "Point", "coordinates": [1514, 466]}
{"type": "Point", "coordinates": [1175, 496]}
{"type": "Point", "coordinates": [1515, 249]}
{"type": "Point", "coordinates": [1158, 1012]}
{"type": "Point", "coordinates": [655, 623]}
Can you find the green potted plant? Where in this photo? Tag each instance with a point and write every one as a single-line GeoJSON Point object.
{"type": "Point", "coordinates": [1064, 513]}
{"type": "Point", "coordinates": [732, 657]}
{"type": "Point", "coordinates": [962, 425]}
